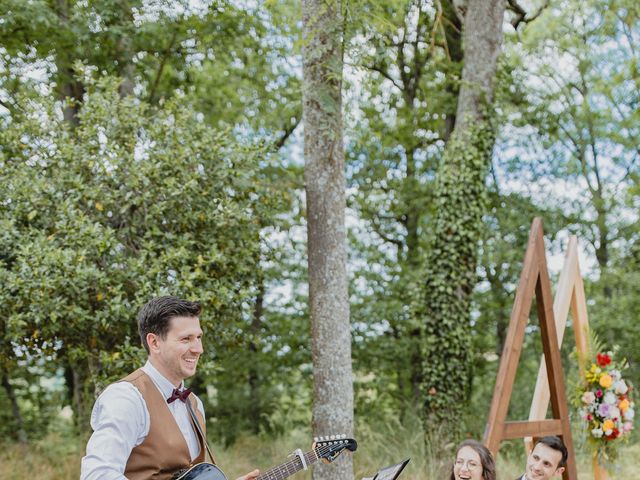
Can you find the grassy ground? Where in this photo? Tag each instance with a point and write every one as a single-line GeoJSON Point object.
{"type": "Point", "coordinates": [58, 458]}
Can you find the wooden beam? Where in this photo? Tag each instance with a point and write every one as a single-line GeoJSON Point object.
{"type": "Point", "coordinates": [513, 343]}
{"type": "Point", "coordinates": [569, 297]}
{"type": "Point", "coordinates": [580, 320]}
{"type": "Point", "coordinates": [539, 428]}
{"type": "Point", "coordinates": [551, 349]}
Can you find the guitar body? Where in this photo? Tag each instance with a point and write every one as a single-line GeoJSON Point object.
{"type": "Point", "coordinates": [202, 471]}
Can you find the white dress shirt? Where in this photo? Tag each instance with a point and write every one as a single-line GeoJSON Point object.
{"type": "Point", "coordinates": [120, 422]}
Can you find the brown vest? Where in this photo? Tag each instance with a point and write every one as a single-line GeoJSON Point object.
{"type": "Point", "coordinates": [164, 451]}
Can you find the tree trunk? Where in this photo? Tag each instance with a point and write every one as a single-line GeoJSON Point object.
{"type": "Point", "coordinates": [79, 384]}
{"type": "Point", "coordinates": [127, 73]}
{"type": "Point", "coordinates": [78, 401]}
{"type": "Point", "coordinates": [460, 204]}
{"type": "Point", "coordinates": [325, 194]}
{"type": "Point", "coordinates": [482, 44]}
{"type": "Point", "coordinates": [254, 376]}
{"type": "Point", "coordinates": [411, 264]}
{"type": "Point", "coordinates": [69, 88]}
{"type": "Point", "coordinates": [453, 36]}
{"type": "Point", "coordinates": [20, 433]}
{"type": "Point", "coordinates": [125, 53]}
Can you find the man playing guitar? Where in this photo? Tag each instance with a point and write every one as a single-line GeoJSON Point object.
{"type": "Point", "coordinates": [142, 425]}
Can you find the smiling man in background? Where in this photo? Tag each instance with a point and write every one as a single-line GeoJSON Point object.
{"type": "Point", "coordinates": [547, 459]}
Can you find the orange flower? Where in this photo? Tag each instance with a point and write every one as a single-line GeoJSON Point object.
{"type": "Point", "coordinates": [623, 405]}
{"type": "Point", "coordinates": [608, 425]}
{"type": "Point", "coordinates": [605, 380]}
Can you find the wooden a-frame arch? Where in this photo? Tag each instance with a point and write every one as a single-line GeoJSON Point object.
{"type": "Point", "coordinates": [534, 280]}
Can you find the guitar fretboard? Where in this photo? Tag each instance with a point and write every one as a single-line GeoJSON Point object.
{"type": "Point", "coordinates": [289, 468]}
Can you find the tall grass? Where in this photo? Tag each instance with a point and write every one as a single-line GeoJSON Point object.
{"type": "Point", "coordinates": [381, 443]}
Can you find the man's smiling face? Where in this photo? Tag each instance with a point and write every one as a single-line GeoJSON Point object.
{"type": "Point", "coordinates": [176, 355]}
{"type": "Point", "coordinates": [543, 462]}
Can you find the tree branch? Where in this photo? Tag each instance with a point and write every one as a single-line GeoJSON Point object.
{"type": "Point", "coordinates": [6, 105]}
{"type": "Point", "coordinates": [385, 74]}
{"type": "Point", "coordinates": [377, 229]}
{"type": "Point", "coordinates": [287, 133]}
{"type": "Point", "coordinates": [521, 13]}
{"type": "Point", "coordinates": [163, 62]}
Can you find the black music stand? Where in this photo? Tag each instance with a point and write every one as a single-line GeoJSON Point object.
{"type": "Point", "coordinates": [389, 473]}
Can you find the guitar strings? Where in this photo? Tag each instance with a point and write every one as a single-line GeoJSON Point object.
{"type": "Point", "coordinates": [319, 452]}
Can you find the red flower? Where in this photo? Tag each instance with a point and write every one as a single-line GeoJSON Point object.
{"type": "Point", "coordinates": [603, 359]}
{"type": "Point", "coordinates": [615, 433]}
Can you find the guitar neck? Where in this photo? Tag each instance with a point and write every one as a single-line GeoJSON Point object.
{"type": "Point", "coordinates": [289, 468]}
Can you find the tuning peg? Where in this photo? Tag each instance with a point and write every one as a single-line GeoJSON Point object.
{"type": "Point", "coordinates": [332, 437]}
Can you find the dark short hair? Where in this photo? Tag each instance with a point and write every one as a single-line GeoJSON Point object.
{"type": "Point", "coordinates": [155, 315]}
{"type": "Point", "coordinates": [486, 459]}
{"type": "Point", "coordinates": [555, 442]}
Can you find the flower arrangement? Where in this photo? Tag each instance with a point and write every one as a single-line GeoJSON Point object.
{"type": "Point", "coordinates": [605, 404]}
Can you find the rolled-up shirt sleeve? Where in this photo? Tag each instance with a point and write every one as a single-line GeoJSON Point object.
{"type": "Point", "coordinates": [120, 422]}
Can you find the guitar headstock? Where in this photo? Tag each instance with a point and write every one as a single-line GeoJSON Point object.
{"type": "Point", "coordinates": [328, 448]}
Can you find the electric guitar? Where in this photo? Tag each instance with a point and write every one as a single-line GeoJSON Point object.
{"type": "Point", "coordinates": [324, 448]}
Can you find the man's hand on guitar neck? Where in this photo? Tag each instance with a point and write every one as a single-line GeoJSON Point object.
{"type": "Point", "coordinates": [250, 476]}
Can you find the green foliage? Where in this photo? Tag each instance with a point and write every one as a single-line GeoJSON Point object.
{"type": "Point", "coordinates": [95, 219]}
{"type": "Point", "coordinates": [133, 203]}
{"type": "Point", "coordinates": [227, 65]}
{"type": "Point", "coordinates": [226, 60]}
{"type": "Point", "coordinates": [450, 278]}
{"type": "Point", "coordinates": [397, 129]}
{"type": "Point", "coordinates": [575, 131]}
{"type": "Point", "coordinates": [579, 124]}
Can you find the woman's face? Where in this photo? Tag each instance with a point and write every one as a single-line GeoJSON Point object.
{"type": "Point", "coordinates": [468, 465]}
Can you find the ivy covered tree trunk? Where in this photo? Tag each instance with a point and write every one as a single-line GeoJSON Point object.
{"type": "Point", "coordinates": [325, 194]}
{"type": "Point", "coordinates": [460, 203]}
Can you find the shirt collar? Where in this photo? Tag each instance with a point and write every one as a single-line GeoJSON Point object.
{"type": "Point", "coordinates": [164, 385]}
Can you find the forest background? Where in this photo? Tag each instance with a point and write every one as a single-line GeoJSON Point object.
{"type": "Point", "coordinates": [153, 147]}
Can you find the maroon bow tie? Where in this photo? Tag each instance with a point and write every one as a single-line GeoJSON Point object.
{"type": "Point", "coordinates": [179, 394]}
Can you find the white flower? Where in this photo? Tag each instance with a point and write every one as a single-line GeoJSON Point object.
{"type": "Point", "coordinates": [588, 397]}
{"type": "Point", "coordinates": [597, 432]}
{"type": "Point", "coordinates": [614, 412]}
{"type": "Point", "coordinates": [610, 398]}
{"type": "Point", "coordinates": [628, 415]}
{"type": "Point", "coordinates": [620, 387]}
{"type": "Point", "coordinates": [615, 374]}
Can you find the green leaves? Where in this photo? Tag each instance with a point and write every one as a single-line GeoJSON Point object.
{"type": "Point", "coordinates": [135, 203]}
